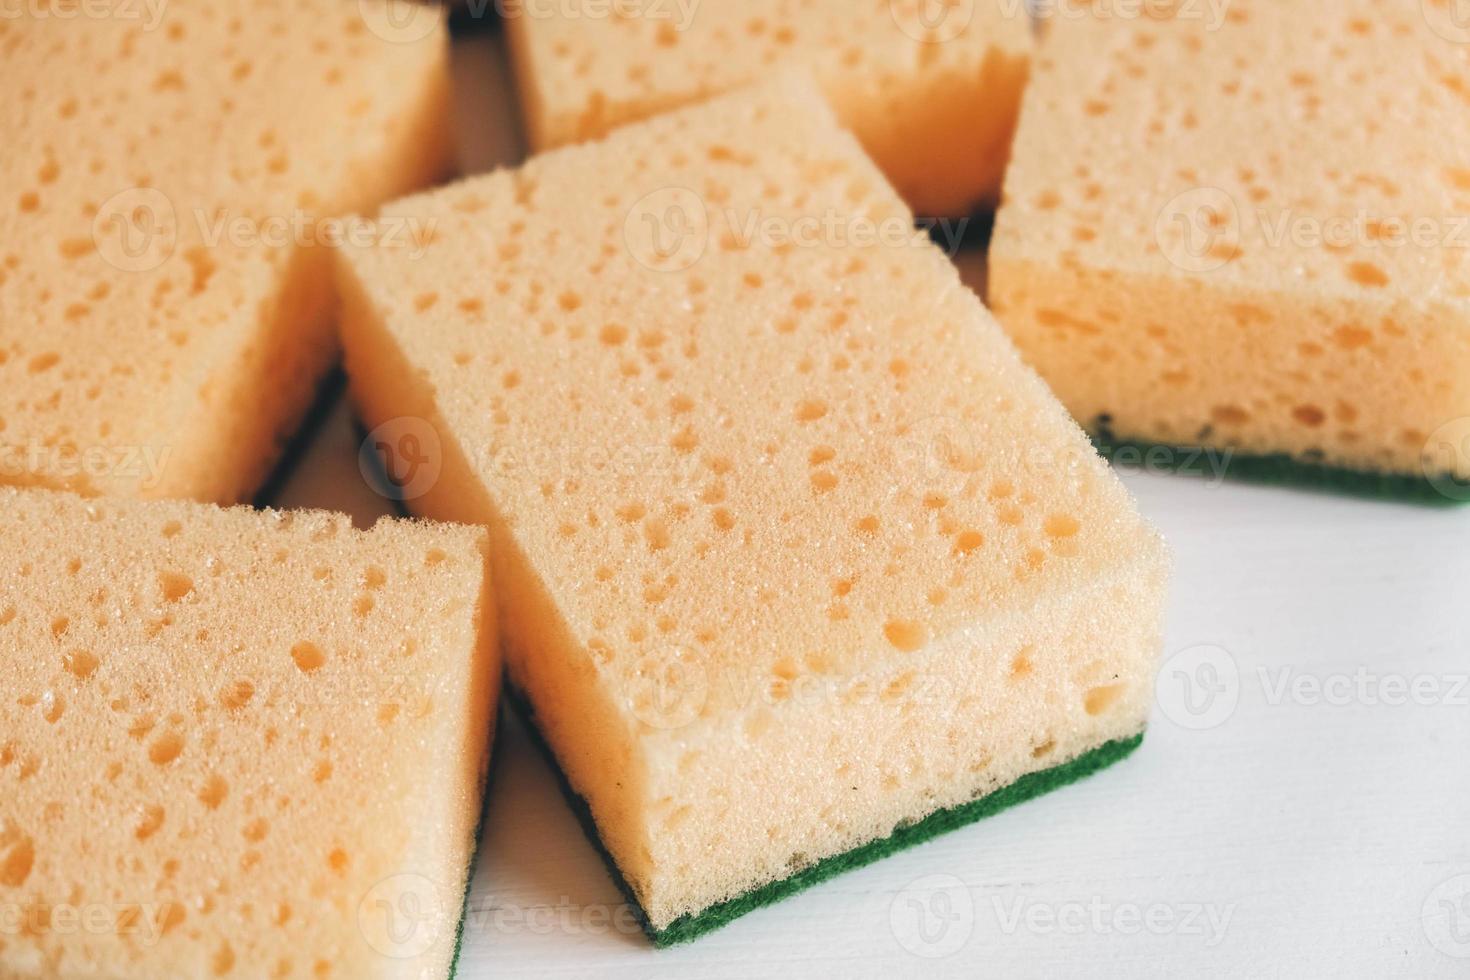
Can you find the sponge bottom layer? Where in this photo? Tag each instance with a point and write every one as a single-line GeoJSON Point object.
{"type": "Point", "coordinates": [692, 926]}
{"type": "Point", "coordinates": [1282, 470]}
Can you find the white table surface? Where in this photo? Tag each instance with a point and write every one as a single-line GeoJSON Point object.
{"type": "Point", "coordinates": [1311, 818]}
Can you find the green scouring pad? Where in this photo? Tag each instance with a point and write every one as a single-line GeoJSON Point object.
{"type": "Point", "coordinates": [469, 879]}
{"type": "Point", "coordinates": [1279, 470]}
{"type": "Point", "coordinates": [692, 926]}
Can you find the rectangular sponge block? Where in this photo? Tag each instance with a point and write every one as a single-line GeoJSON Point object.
{"type": "Point", "coordinates": [235, 743]}
{"type": "Point", "coordinates": [790, 547]}
{"type": "Point", "coordinates": [932, 90]}
{"type": "Point", "coordinates": [1302, 294]}
{"type": "Point", "coordinates": [169, 175]}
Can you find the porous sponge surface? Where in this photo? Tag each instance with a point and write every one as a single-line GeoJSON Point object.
{"type": "Point", "coordinates": [790, 547]}
{"type": "Point", "coordinates": [230, 733]}
{"type": "Point", "coordinates": [1301, 294]}
{"type": "Point", "coordinates": [692, 926]}
{"type": "Point", "coordinates": [165, 301]}
{"type": "Point", "coordinates": [932, 91]}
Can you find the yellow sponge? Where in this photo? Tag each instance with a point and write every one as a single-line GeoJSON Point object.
{"type": "Point", "coordinates": [1250, 235]}
{"type": "Point", "coordinates": [236, 743]}
{"type": "Point", "coordinates": [790, 548]}
{"type": "Point", "coordinates": [932, 90]}
{"type": "Point", "coordinates": [166, 196]}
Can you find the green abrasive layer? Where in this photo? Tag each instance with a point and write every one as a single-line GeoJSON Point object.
{"type": "Point", "coordinates": [469, 875]}
{"type": "Point", "coordinates": [696, 924]}
{"type": "Point", "coordinates": [1279, 470]}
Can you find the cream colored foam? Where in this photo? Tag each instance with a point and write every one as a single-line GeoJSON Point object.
{"type": "Point", "coordinates": [931, 91]}
{"type": "Point", "coordinates": [169, 355]}
{"type": "Point", "coordinates": [789, 545]}
{"type": "Point", "coordinates": [227, 735]}
{"type": "Point", "coordinates": [1140, 261]}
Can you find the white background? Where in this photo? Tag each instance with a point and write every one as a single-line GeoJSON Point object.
{"type": "Point", "coordinates": [1311, 819]}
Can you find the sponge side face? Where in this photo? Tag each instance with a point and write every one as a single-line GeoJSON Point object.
{"type": "Point", "coordinates": [231, 740]}
{"type": "Point", "coordinates": [931, 90]}
{"type": "Point", "coordinates": [1304, 293]}
{"type": "Point", "coordinates": [165, 302]}
{"type": "Point", "coordinates": [790, 546]}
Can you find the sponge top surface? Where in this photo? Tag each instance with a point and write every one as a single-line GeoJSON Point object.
{"type": "Point", "coordinates": [217, 724]}
{"type": "Point", "coordinates": [161, 161]}
{"type": "Point", "coordinates": [673, 52]}
{"type": "Point", "coordinates": [1324, 147]}
{"type": "Point", "coordinates": [736, 412]}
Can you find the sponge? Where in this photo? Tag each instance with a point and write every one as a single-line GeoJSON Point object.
{"type": "Point", "coordinates": [1301, 297]}
{"type": "Point", "coordinates": [236, 743]}
{"type": "Point", "coordinates": [172, 180]}
{"type": "Point", "coordinates": [932, 90]}
{"type": "Point", "coordinates": [790, 548]}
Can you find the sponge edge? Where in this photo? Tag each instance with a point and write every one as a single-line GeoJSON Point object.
{"type": "Point", "coordinates": [1433, 489]}
{"type": "Point", "coordinates": [278, 724]}
{"type": "Point", "coordinates": [932, 91]}
{"type": "Point", "coordinates": [870, 570]}
{"type": "Point", "coordinates": [689, 927]}
{"type": "Point", "coordinates": [1295, 299]}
